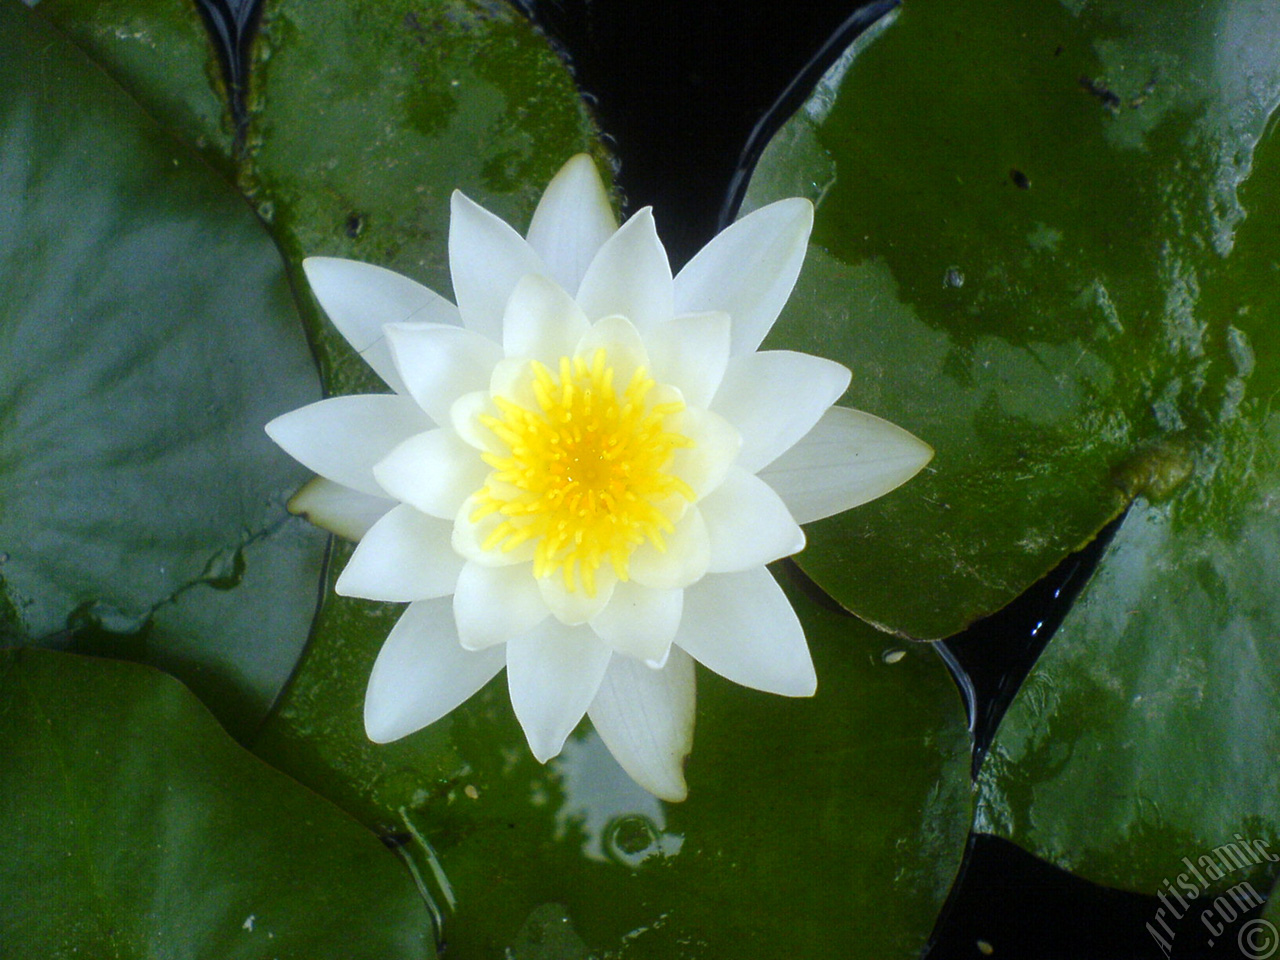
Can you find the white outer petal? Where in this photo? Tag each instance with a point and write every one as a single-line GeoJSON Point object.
{"type": "Point", "coordinates": [440, 363]}
{"type": "Point", "coordinates": [748, 525]}
{"type": "Point", "coordinates": [748, 270]}
{"type": "Point", "coordinates": [486, 260]}
{"type": "Point", "coordinates": [775, 398]}
{"type": "Point", "coordinates": [405, 556]}
{"type": "Point", "coordinates": [741, 625]}
{"type": "Point", "coordinates": [341, 438]}
{"type": "Point", "coordinates": [847, 459]}
{"type": "Point", "coordinates": [340, 510]}
{"type": "Point", "coordinates": [553, 673]}
{"type": "Point", "coordinates": [573, 220]}
{"type": "Point", "coordinates": [645, 718]}
{"type": "Point", "coordinates": [360, 299]}
{"type": "Point", "coordinates": [494, 604]}
{"type": "Point", "coordinates": [541, 322]}
{"type": "Point", "coordinates": [640, 622]}
{"type": "Point", "coordinates": [434, 471]}
{"type": "Point", "coordinates": [684, 561]}
{"type": "Point", "coordinates": [691, 353]}
{"type": "Point", "coordinates": [630, 276]}
{"type": "Point", "coordinates": [422, 673]}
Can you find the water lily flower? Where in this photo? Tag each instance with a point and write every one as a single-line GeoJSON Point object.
{"type": "Point", "coordinates": [582, 470]}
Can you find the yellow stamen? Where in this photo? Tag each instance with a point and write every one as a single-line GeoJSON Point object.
{"type": "Point", "coordinates": [589, 468]}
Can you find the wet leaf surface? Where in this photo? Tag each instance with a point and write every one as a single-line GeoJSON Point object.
{"type": "Point", "coordinates": [1028, 248]}
{"type": "Point", "coordinates": [149, 333]}
{"type": "Point", "coordinates": [137, 828]}
{"type": "Point", "coordinates": [805, 817]}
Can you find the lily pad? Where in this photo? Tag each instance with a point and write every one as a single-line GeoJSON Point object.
{"type": "Point", "coordinates": [369, 116]}
{"type": "Point", "coordinates": [137, 828]}
{"type": "Point", "coordinates": [149, 332]}
{"type": "Point", "coordinates": [833, 826]}
{"type": "Point", "coordinates": [1020, 210]}
{"type": "Point", "coordinates": [1163, 679]}
{"type": "Point", "coordinates": [1149, 729]}
{"type": "Point", "coordinates": [161, 53]}
{"type": "Point", "coordinates": [362, 120]}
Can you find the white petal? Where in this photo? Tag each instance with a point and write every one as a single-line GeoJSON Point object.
{"type": "Point", "coordinates": [469, 538]}
{"type": "Point", "coordinates": [749, 270]}
{"type": "Point", "coordinates": [640, 622]}
{"type": "Point", "coordinates": [486, 260]}
{"type": "Point", "coordinates": [464, 417]}
{"type": "Point", "coordinates": [690, 353]}
{"type": "Point", "coordinates": [405, 556]}
{"type": "Point", "coordinates": [542, 322]}
{"type": "Point", "coordinates": [338, 509]}
{"type": "Point", "coordinates": [513, 380]}
{"type": "Point", "coordinates": [684, 561]}
{"type": "Point", "coordinates": [573, 607]}
{"type": "Point", "coordinates": [553, 673]}
{"type": "Point", "coordinates": [741, 626]}
{"type": "Point", "coordinates": [630, 276]}
{"type": "Point", "coordinates": [850, 457]}
{"type": "Point", "coordinates": [716, 444]}
{"type": "Point", "coordinates": [573, 220]}
{"type": "Point", "coordinates": [360, 299]}
{"type": "Point", "coordinates": [494, 604]}
{"type": "Point", "coordinates": [624, 349]}
{"type": "Point", "coordinates": [645, 718]}
{"type": "Point", "coordinates": [748, 524]}
{"type": "Point", "coordinates": [438, 363]}
{"type": "Point", "coordinates": [775, 398]}
{"type": "Point", "coordinates": [422, 673]}
{"type": "Point", "coordinates": [433, 471]}
{"type": "Point", "coordinates": [343, 437]}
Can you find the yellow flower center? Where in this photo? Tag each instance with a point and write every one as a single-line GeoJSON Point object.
{"type": "Point", "coordinates": [585, 475]}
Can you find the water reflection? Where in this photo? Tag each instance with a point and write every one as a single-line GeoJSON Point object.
{"type": "Point", "coordinates": [618, 820]}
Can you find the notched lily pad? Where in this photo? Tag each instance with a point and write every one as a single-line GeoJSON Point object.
{"type": "Point", "coordinates": [1149, 729]}
{"type": "Point", "coordinates": [366, 118]}
{"type": "Point", "coordinates": [161, 53]}
{"type": "Point", "coordinates": [1021, 210]}
{"type": "Point", "coordinates": [148, 333]}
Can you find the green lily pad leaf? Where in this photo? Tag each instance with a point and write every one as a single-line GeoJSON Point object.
{"type": "Point", "coordinates": [362, 121]}
{"type": "Point", "coordinates": [1164, 677]}
{"type": "Point", "coordinates": [1020, 208]}
{"type": "Point", "coordinates": [149, 332]}
{"type": "Point", "coordinates": [161, 53]}
{"type": "Point", "coordinates": [805, 817]}
{"type": "Point", "coordinates": [359, 161]}
{"type": "Point", "coordinates": [137, 828]}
